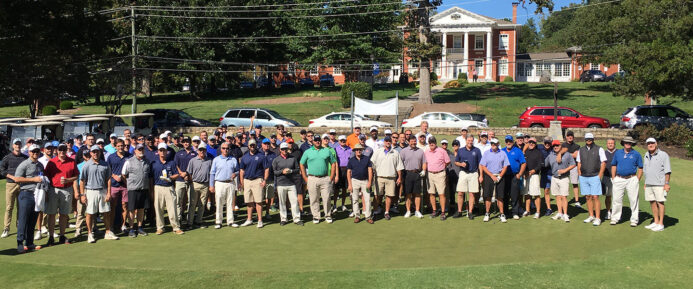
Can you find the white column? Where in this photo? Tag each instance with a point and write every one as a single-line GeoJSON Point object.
{"type": "Point", "coordinates": [444, 69]}
{"type": "Point", "coordinates": [489, 62]}
{"type": "Point", "coordinates": [465, 59]}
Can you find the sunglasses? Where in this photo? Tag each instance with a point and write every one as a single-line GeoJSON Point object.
{"type": "Point", "coordinates": [36, 151]}
{"type": "Point", "coordinates": [224, 148]}
{"type": "Point", "coordinates": [343, 140]}
{"type": "Point", "coordinates": [162, 150]}
{"type": "Point", "coordinates": [62, 149]}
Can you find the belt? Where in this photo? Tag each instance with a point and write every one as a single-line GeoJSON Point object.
{"type": "Point", "coordinates": [438, 172]}
{"type": "Point", "coordinates": [252, 179]}
{"type": "Point", "coordinates": [317, 176]}
{"type": "Point", "coordinates": [414, 171]}
{"type": "Point", "coordinates": [625, 177]}
{"type": "Point", "coordinates": [225, 181]}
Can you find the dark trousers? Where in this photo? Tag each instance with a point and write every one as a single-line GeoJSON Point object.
{"type": "Point", "coordinates": [512, 186]}
{"type": "Point", "coordinates": [451, 186]}
{"type": "Point", "coordinates": [26, 218]}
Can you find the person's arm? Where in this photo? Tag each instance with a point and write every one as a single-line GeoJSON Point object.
{"type": "Point", "coordinates": [370, 177]}
{"type": "Point", "coordinates": [4, 166]}
{"type": "Point", "coordinates": [667, 176]}
{"type": "Point", "coordinates": [303, 173]}
{"type": "Point", "coordinates": [82, 194]}
{"type": "Point", "coordinates": [602, 167]}
{"type": "Point", "coordinates": [108, 195]}
{"type": "Point", "coordinates": [265, 177]}
{"type": "Point", "coordinates": [212, 173]}
{"type": "Point", "coordinates": [579, 166]}
{"type": "Point", "coordinates": [560, 154]}
{"type": "Point", "coordinates": [174, 176]}
{"type": "Point", "coordinates": [241, 174]}
{"type": "Point", "coordinates": [349, 188]}
{"type": "Point", "coordinates": [639, 173]}
{"type": "Point", "coordinates": [276, 169]}
{"type": "Point", "coordinates": [399, 177]}
{"type": "Point", "coordinates": [639, 164]}
{"type": "Point", "coordinates": [613, 172]}
{"type": "Point", "coordinates": [523, 166]}
{"type": "Point", "coordinates": [502, 173]}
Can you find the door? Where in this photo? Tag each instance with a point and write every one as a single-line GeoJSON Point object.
{"type": "Point", "coordinates": [449, 120]}
{"type": "Point", "coordinates": [454, 70]}
{"type": "Point", "coordinates": [332, 120]}
{"type": "Point", "coordinates": [569, 118]}
{"type": "Point", "coordinates": [263, 118]}
{"type": "Point", "coordinates": [433, 119]}
{"type": "Point", "coordinates": [244, 118]}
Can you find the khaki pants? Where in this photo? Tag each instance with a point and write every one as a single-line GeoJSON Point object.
{"type": "Point", "coordinates": [319, 187]}
{"type": "Point", "coordinates": [182, 193]}
{"type": "Point", "coordinates": [288, 192]}
{"type": "Point", "coordinates": [359, 188]}
{"type": "Point", "coordinates": [223, 195]}
{"type": "Point", "coordinates": [621, 186]}
{"type": "Point", "coordinates": [197, 201]}
{"type": "Point", "coordinates": [11, 195]}
{"type": "Point", "coordinates": [165, 198]}
{"type": "Point", "coordinates": [81, 214]}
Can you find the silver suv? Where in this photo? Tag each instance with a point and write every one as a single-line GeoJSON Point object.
{"type": "Point", "coordinates": [263, 117]}
{"type": "Point", "coordinates": [661, 116]}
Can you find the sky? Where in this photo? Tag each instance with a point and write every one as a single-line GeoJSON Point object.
{"type": "Point", "coordinates": [502, 8]}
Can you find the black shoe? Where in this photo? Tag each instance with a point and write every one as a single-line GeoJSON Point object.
{"type": "Point", "coordinates": [387, 216]}
{"type": "Point", "coordinates": [470, 216]}
{"type": "Point", "coordinates": [282, 223]}
{"type": "Point", "coordinates": [457, 215]}
{"type": "Point", "coordinates": [64, 240]}
{"type": "Point", "coordinates": [443, 216]}
{"type": "Point", "coordinates": [300, 223]}
{"type": "Point", "coordinates": [50, 242]}
{"type": "Point", "coordinates": [434, 214]}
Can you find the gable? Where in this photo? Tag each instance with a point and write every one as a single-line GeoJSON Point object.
{"type": "Point", "coordinates": [456, 16]}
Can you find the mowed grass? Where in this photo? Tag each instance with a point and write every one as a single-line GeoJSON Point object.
{"type": "Point", "coordinates": [503, 103]}
{"type": "Point", "coordinates": [210, 106]}
{"type": "Point", "coordinates": [401, 253]}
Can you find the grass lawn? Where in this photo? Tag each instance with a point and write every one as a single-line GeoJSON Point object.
{"type": "Point", "coordinates": [504, 102]}
{"type": "Point", "coordinates": [401, 253]}
{"type": "Point", "coordinates": [212, 106]}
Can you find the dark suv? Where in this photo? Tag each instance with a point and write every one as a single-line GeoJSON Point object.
{"type": "Point", "coordinates": [175, 118]}
{"type": "Point", "coordinates": [592, 75]}
{"type": "Point", "coordinates": [661, 116]}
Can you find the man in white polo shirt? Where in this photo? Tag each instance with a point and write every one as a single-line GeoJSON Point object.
{"type": "Point", "coordinates": [657, 169]}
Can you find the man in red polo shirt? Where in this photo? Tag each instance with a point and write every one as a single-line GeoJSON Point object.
{"type": "Point", "coordinates": [62, 171]}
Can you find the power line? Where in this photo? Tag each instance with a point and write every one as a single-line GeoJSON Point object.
{"type": "Point", "coordinates": [267, 37]}
{"type": "Point", "coordinates": [215, 9]}
{"type": "Point", "coordinates": [272, 17]}
{"type": "Point", "coordinates": [257, 6]}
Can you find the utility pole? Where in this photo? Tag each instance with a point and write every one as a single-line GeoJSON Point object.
{"type": "Point", "coordinates": [132, 41]}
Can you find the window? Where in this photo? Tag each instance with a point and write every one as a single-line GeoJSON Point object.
{"type": "Point", "coordinates": [547, 68]}
{"type": "Point", "coordinates": [345, 117]}
{"type": "Point", "coordinates": [566, 112]}
{"type": "Point", "coordinates": [395, 72]}
{"type": "Point", "coordinates": [503, 66]}
{"type": "Point", "coordinates": [333, 117]}
{"type": "Point", "coordinates": [503, 41]}
{"type": "Point", "coordinates": [566, 69]}
{"type": "Point", "coordinates": [521, 69]}
{"type": "Point", "coordinates": [478, 42]}
{"type": "Point", "coordinates": [538, 111]}
{"type": "Point", "coordinates": [525, 69]}
{"type": "Point", "coordinates": [540, 69]}
{"type": "Point", "coordinates": [594, 66]}
{"type": "Point", "coordinates": [291, 68]}
{"type": "Point", "coordinates": [558, 69]}
{"type": "Point", "coordinates": [262, 115]}
{"type": "Point", "coordinates": [246, 113]}
{"type": "Point", "coordinates": [314, 70]}
{"type": "Point", "coordinates": [232, 113]}
{"type": "Point", "coordinates": [449, 117]}
{"type": "Point", "coordinates": [431, 116]}
{"type": "Point", "coordinates": [457, 41]}
{"type": "Point", "coordinates": [479, 65]}
{"type": "Point", "coordinates": [337, 70]}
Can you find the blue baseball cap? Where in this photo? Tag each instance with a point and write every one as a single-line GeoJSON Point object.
{"type": "Point", "coordinates": [258, 126]}
{"type": "Point", "coordinates": [508, 138]}
{"type": "Point", "coordinates": [266, 140]}
{"type": "Point", "coordinates": [55, 143]}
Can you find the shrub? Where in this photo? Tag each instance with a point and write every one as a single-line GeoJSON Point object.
{"type": "Point", "coordinates": [452, 84]}
{"type": "Point", "coordinates": [66, 104]}
{"type": "Point", "coordinates": [689, 148]}
{"type": "Point", "coordinates": [508, 79]}
{"type": "Point", "coordinates": [642, 132]}
{"type": "Point", "coordinates": [49, 110]}
{"type": "Point", "coordinates": [360, 89]}
{"type": "Point", "coordinates": [435, 82]}
{"type": "Point", "coordinates": [24, 113]}
{"type": "Point", "coordinates": [434, 76]}
{"type": "Point", "coordinates": [675, 135]}
{"type": "Point", "coordinates": [462, 78]}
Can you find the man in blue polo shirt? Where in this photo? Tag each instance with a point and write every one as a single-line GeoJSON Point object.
{"type": "Point", "coordinates": [164, 173]}
{"type": "Point", "coordinates": [254, 174]}
{"type": "Point", "coordinates": [184, 181]}
{"type": "Point", "coordinates": [468, 158]}
{"type": "Point", "coordinates": [626, 170]}
{"type": "Point", "coordinates": [514, 179]}
{"type": "Point", "coordinates": [359, 178]}
{"type": "Point", "coordinates": [119, 192]}
{"type": "Point", "coordinates": [493, 165]}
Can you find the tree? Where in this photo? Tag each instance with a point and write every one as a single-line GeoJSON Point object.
{"type": "Point", "coordinates": [422, 46]}
{"type": "Point", "coordinates": [529, 37]}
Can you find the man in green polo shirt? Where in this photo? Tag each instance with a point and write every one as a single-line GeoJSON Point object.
{"type": "Point", "coordinates": [322, 166]}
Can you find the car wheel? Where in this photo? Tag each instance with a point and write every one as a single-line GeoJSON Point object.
{"type": "Point", "coordinates": [594, 126]}
{"type": "Point", "coordinates": [536, 125]}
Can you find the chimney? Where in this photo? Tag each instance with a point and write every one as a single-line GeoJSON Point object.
{"type": "Point", "coordinates": [515, 12]}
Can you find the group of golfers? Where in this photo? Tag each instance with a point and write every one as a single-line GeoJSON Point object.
{"type": "Point", "coordinates": [134, 180]}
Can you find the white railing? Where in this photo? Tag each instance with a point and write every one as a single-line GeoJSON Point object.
{"type": "Point", "coordinates": [454, 50]}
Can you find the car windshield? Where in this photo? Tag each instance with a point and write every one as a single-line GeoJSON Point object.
{"type": "Point", "coordinates": [273, 113]}
{"type": "Point", "coordinates": [184, 115]}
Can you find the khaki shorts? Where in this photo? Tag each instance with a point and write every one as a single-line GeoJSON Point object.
{"type": "Point", "coordinates": [59, 201]}
{"type": "Point", "coordinates": [574, 176]}
{"type": "Point", "coordinates": [532, 186]}
{"type": "Point", "coordinates": [655, 194]}
{"type": "Point", "coordinates": [468, 182]}
{"type": "Point", "coordinates": [436, 183]}
{"type": "Point", "coordinates": [386, 186]}
{"type": "Point", "coordinates": [269, 191]}
{"type": "Point", "coordinates": [252, 191]}
{"type": "Point", "coordinates": [96, 202]}
{"type": "Point", "coordinates": [560, 187]}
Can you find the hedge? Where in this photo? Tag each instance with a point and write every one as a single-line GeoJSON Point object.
{"type": "Point", "coordinates": [508, 79]}
{"type": "Point", "coordinates": [66, 104]}
{"type": "Point", "coordinates": [462, 78]}
{"type": "Point", "coordinates": [360, 89]}
{"type": "Point", "coordinates": [49, 110]}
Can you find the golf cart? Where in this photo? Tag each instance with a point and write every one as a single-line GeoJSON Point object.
{"type": "Point", "coordinates": [39, 131]}
{"type": "Point", "coordinates": [100, 127]}
{"type": "Point", "coordinates": [137, 123]}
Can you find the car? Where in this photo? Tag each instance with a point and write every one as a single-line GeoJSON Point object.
{"type": "Point", "coordinates": [541, 116]}
{"type": "Point", "coordinates": [442, 119]}
{"type": "Point", "coordinates": [343, 119]}
{"type": "Point", "coordinates": [175, 118]}
{"type": "Point", "coordinates": [287, 83]}
{"type": "Point", "coordinates": [473, 116]}
{"type": "Point", "coordinates": [306, 82]}
{"type": "Point", "coordinates": [247, 84]}
{"type": "Point", "coordinates": [265, 117]}
{"type": "Point", "coordinates": [326, 80]}
{"type": "Point", "coordinates": [592, 75]}
{"type": "Point", "coordinates": [614, 76]}
{"type": "Point", "coordinates": [661, 116]}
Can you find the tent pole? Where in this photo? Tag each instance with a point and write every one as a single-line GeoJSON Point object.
{"type": "Point", "coordinates": [397, 112]}
{"type": "Point", "coordinates": [352, 111]}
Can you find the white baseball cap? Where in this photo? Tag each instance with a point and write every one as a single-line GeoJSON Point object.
{"type": "Point", "coordinates": [333, 131]}
{"type": "Point", "coordinates": [444, 141]}
{"type": "Point", "coordinates": [34, 147]}
{"type": "Point", "coordinates": [324, 135]}
{"type": "Point", "coordinates": [162, 146]}
{"type": "Point", "coordinates": [373, 128]}
{"type": "Point", "coordinates": [650, 140]}
{"type": "Point", "coordinates": [341, 137]}
{"type": "Point", "coordinates": [283, 146]}
{"type": "Point", "coordinates": [163, 135]}
{"type": "Point", "coordinates": [168, 132]}
{"type": "Point", "coordinates": [202, 145]}
{"type": "Point", "coordinates": [387, 131]}
{"type": "Point", "coordinates": [589, 135]}
{"type": "Point", "coordinates": [100, 140]}
{"type": "Point", "coordinates": [494, 140]}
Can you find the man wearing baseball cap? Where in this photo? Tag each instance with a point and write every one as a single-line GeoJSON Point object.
{"type": "Point", "coordinates": [286, 168]}
{"type": "Point", "coordinates": [515, 175]}
{"type": "Point", "coordinates": [545, 182]}
{"type": "Point", "coordinates": [62, 171]}
{"type": "Point", "coordinates": [373, 140]}
{"type": "Point", "coordinates": [572, 148]}
{"type": "Point", "coordinates": [360, 178]}
{"type": "Point", "coordinates": [7, 169]}
{"type": "Point", "coordinates": [137, 172]}
{"type": "Point", "coordinates": [94, 187]}
{"type": "Point", "coordinates": [184, 184]}
{"type": "Point", "coordinates": [483, 145]}
{"type": "Point", "coordinates": [626, 171]}
{"type": "Point", "coordinates": [657, 168]}
{"type": "Point", "coordinates": [560, 179]}
{"type": "Point", "coordinates": [520, 140]}
{"type": "Point", "coordinates": [164, 173]}
{"type": "Point", "coordinates": [333, 138]}
{"type": "Point", "coordinates": [353, 138]}
{"type": "Point", "coordinates": [591, 162]}
{"type": "Point", "coordinates": [110, 148]}
{"type": "Point", "coordinates": [319, 176]}
{"type": "Point", "coordinates": [437, 160]}
{"type": "Point", "coordinates": [28, 174]}
{"type": "Point", "coordinates": [532, 185]}
{"type": "Point", "coordinates": [198, 172]}
{"type": "Point", "coordinates": [48, 153]}
{"type": "Point", "coordinates": [493, 165]}
{"type": "Point", "coordinates": [254, 175]}
{"type": "Point", "coordinates": [119, 191]}
{"type": "Point", "coordinates": [343, 153]}
{"type": "Point", "coordinates": [388, 167]}
{"type": "Point", "coordinates": [269, 189]}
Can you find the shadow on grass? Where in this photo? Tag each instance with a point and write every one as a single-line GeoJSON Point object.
{"type": "Point", "coordinates": [522, 90]}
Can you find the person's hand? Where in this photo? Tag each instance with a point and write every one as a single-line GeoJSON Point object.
{"type": "Point", "coordinates": [422, 173]}
{"type": "Point", "coordinates": [211, 189]}
{"type": "Point", "coordinates": [531, 172]}
{"type": "Point", "coordinates": [336, 178]}
{"type": "Point", "coordinates": [464, 164]}
{"type": "Point", "coordinates": [481, 179]}
{"type": "Point", "coordinates": [399, 181]}
{"type": "Point", "coordinates": [305, 180]}
{"type": "Point", "coordinates": [11, 177]}
{"type": "Point", "coordinates": [518, 176]}
{"type": "Point", "coordinates": [36, 179]}
{"type": "Point", "coordinates": [117, 179]}
{"type": "Point", "coordinates": [666, 188]}
{"type": "Point", "coordinates": [263, 183]}
{"type": "Point", "coordinates": [108, 197]}
{"type": "Point", "coordinates": [285, 171]}
{"type": "Point", "coordinates": [83, 199]}
{"type": "Point", "coordinates": [494, 178]}
{"type": "Point", "coordinates": [350, 189]}
{"type": "Point", "coordinates": [368, 186]}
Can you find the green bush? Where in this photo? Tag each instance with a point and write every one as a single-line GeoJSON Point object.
{"type": "Point", "coordinates": [360, 89]}
{"type": "Point", "coordinates": [25, 113]}
{"type": "Point", "coordinates": [677, 135]}
{"type": "Point", "coordinates": [689, 148]}
{"type": "Point", "coordinates": [462, 78]}
{"type": "Point", "coordinates": [66, 104]}
{"type": "Point", "coordinates": [642, 132]}
{"type": "Point", "coordinates": [434, 76]}
{"type": "Point", "coordinates": [452, 84]}
{"type": "Point", "coordinates": [49, 110]}
{"type": "Point", "coordinates": [435, 82]}
{"type": "Point", "coordinates": [508, 79]}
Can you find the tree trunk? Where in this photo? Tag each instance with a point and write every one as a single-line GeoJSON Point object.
{"type": "Point", "coordinates": [424, 64]}
{"type": "Point", "coordinates": [146, 84]}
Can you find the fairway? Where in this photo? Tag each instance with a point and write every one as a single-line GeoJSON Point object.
{"type": "Point", "coordinates": [401, 253]}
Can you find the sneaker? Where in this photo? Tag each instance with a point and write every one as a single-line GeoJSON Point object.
{"type": "Point", "coordinates": [334, 210]}
{"type": "Point", "coordinates": [407, 214]}
{"type": "Point", "coordinates": [316, 220]}
{"type": "Point", "coordinates": [51, 242]}
{"type": "Point", "coordinates": [418, 215]}
{"type": "Point", "coordinates": [503, 219]}
{"type": "Point", "coordinates": [370, 221]}
{"type": "Point", "coordinates": [597, 222]}
{"type": "Point", "coordinates": [110, 236]}
{"type": "Point", "coordinates": [247, 223]}
{"type": "Point", "coordinates": [457, 215]}
{"type": "Point", "coordinates": [434, 214]}
{"type": "Point", "coordinates": [566, 218]}
{"type": "Point", "coordinates": [357, 220]}
{"type": "Point", "coordinates": [577, 205]}
{"type": "Point", "coordinates": [344, 208]}
{"type": "Point", "coordinates": [536, 215]}
{"type": "Point", "coordinates": [178, 232]}
{"type": "Point", "coordinates": [516, 217]}
{"type": "Point", "coordinates": [217, 226]}
{"type": "Point", "coordinates": [78, 231]}
{"type": "Point", "coordinates": [37, 235]}
{"type": "Point", "coordinates": [329, 220]}
{"type": "Point", "coordinates": [44, 230]}
{"type": "Point", "coordinates": [650, 226]}
{"type": "Point", "coordinates": [443, 216]}
{"type": "Point", "coordinates": [470, 216]}
{"type": "Point", "coordinates": [124, 228]}
{"type": "Point", "coordinates": [5, 233]}
{"type": "Point", "coordinates": [658, 228]}
{"type": "Point", "coordinates": [613, 222]}
{"type": "Point", "coordinates": [486, 217]}
{"type": "Point", "coordinates": [300, 223]}
{"type": "Point", "coordinates": [387, 216]}
{"type": "Point", "coordinates": [633, 224]}
{"type": "Point", "coordinates": [557, 216]}
{"type": "Point", "coordinates": [20, 249]}
{"type": "Point", "coordinates": [351, 215]}
{"type": "Point", "coordinates": [305, 213]}
{"type": "Point", "coordinates": [608, 215]}
{"type": "Point", "coordinates": [548, 212]}
{"type": "Point", "coordinates": [132, 234]}
{"type": "Point", "coordinates": [141, 232]}
{"type": "Point", "coordinates": [32, 248]}
{"type": "Point", "coordinates": [232, 225]}
{"type": "Point", "coordinates": [589, 220]}
{"type": "Point", "coordinates": [72, 226]}
{"type": "Point", "coordinates": [525, 214]}
{"type": "Point", "coordinates": [260, 225]}
{"type": "Point", "coordinates": [56, 235]}
{"type": "Point", "coordinates": [282, 223]}
{"type": "Point", "coordinates": [377, 211]}
{"type": "Point", "coordinates": [90, 238]}
{"type": "Point", "coordinates": [273, 209]}
{"type": "Point", "coordinates": [64, 240]}
{"type": "Point", "coordinates": [394, 209]}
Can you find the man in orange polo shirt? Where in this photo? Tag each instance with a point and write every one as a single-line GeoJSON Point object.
{"type": "Point", "coordinates": [62, 171]}
{"type": "Point", "coordinates": [353, 138]}
{"type": "Point", "coordinates": [437, 160]}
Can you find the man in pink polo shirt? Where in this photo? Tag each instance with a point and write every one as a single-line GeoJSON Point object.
{"type": "Point", "coordinates": [437, 160]}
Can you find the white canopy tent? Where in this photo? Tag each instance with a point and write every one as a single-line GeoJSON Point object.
{"type": "Point", "coordinates": [371, 107]}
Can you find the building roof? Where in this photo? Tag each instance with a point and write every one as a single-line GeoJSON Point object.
{"type": "Point", "coordinates": [466, 17]}
{"type": "Point", "coordinates": [544, 56]}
